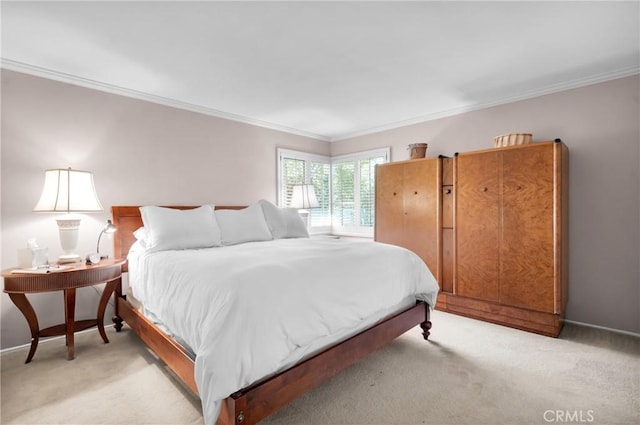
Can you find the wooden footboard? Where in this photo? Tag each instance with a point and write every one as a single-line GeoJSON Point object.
{"type": "Point", "coordinates": [250, 405]}
{"type": "Point", "coordinates": [165, 347]}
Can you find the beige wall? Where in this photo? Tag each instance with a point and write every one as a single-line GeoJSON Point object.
{"type": "Point", "coordinates": [601, 126]}
{"type": "Point", "coordinates": [140, 153]}
{"type": "Point", "coordinates": [143, 153]}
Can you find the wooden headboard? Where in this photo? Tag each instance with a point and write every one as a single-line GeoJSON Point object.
{"type": "Point", "coordinates": [127, 219]}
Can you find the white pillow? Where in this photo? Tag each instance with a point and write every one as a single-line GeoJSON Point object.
{"type": "Point", "coordinates": [245, 225]}
{"type": "Point", "coordinates": [169, 228]}
{"type": "Point", "coordinates": [283, 222]}
{"type": "Point", "coordinates": [142, 236]}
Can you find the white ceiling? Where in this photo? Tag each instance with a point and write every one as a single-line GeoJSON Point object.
{"type": "Point", "coordinates": [328, 70]}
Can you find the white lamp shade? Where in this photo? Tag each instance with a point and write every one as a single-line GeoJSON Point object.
{"type": "Point", "coordinates": [304, 197]}
{"type": "Point", "coordinates": [67, 190]}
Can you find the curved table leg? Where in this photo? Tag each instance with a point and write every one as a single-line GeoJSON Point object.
{"type": "Point", "coordinates": [70, 320]}
{"type": "Point", "coordinates": [23, 304]}
{"type": "Point", "coordinates": [117, 320]}
{"type": "Point", "coordinates": [102, 306]}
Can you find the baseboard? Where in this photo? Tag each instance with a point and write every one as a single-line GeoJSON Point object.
{"type": "Point", "coordinates": [604, 328]}
{"type": "Point", "coordinates": [44, 341]}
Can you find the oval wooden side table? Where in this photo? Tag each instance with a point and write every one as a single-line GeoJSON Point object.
{"type": "Point", "coordinates": [18, 285]}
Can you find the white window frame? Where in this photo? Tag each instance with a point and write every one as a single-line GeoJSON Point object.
{"type": "Point", "coordinates": [356, 156]}
{"type": "Point", "coordinates": [362, 231]}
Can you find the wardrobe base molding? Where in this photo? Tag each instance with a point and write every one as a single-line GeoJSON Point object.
{"type": "Point", "coordinates": [548, 324]}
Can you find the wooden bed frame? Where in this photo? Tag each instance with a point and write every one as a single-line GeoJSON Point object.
{"type": "Point", "coordinates": [251, 404]}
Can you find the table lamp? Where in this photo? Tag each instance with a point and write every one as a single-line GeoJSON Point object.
{"type": "Point", "coordinates": [303, 198]}
{"type": "Point", "coordinates": [68, 191]}
{"type": "Point", "coordinates": [109, 229]}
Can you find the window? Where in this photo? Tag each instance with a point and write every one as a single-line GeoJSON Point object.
{"type": "Point", "coordinates": [354, 192]}
{"type": "Point", "coordinates": [298, 168]}
{"type": "Point", "coordinates": [344, 185]}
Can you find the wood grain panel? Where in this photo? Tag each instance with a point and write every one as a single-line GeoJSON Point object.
{"type": "Point", "coordinates": [476, 226]}
{"type": "Point", "coordinates": [447, 207]}
{"type": "Point", "coordinates": [527, 246]}
{"type": "Point", "coordinates": [447, 171]}
{"type": "Point", "coordinates": [421, 199]}
{"type": "Point", "coordinates": [446, 280]}
{"type": "Point", "coordinates": [390, 204]}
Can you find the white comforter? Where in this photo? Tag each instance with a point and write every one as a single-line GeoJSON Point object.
{"type": "Point", "coordinates": [251, 310]}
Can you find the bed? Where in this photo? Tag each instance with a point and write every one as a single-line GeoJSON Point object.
{"type": "Point", "coordinates": [268, 391]}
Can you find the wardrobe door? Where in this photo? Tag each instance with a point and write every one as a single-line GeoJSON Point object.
{"type": "Point", "coordinates": [527, 246]}
{"type": "Point", "coordinates": [389, 221]}
{"type": "Point", "coordinates": [477, 225]}
{"type": "Point", "coordinates": [421, 224]}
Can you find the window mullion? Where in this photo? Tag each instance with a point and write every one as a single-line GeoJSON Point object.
{"type": "Point", "coordinates": [356, 192]}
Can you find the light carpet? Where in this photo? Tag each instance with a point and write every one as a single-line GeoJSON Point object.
{"type": "Point", "coordinates": [470, 372]}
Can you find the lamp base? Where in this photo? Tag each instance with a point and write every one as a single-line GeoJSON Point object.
{"type": "Point", "coordinates": [69, 258]}
{"type": "Point", "coordinates": [68, 228]}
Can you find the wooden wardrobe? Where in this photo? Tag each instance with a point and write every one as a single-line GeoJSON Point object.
{"type": "Point", "coordinates": [492, 227]}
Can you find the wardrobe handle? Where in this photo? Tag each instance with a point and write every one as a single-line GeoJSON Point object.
{"type": "Point", "coordinates": [448, 192]}
{"type": "Point", "coordinates": [415, 193]}
{"type": "Point", "coordinates": [485, 189]}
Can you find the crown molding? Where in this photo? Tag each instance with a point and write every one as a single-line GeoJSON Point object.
{"type": "Point", "coordinates": [37, 71]}
{"type": "Point", "coordinates": [554, 88]}
{"type": "Point", "coordinates": [122, 91]}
